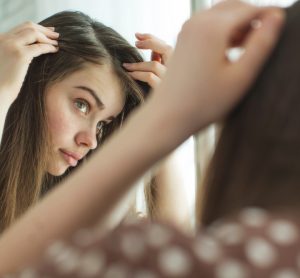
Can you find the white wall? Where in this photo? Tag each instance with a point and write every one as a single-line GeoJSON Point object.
{"type": "Point", "coordinates": [161, 17]}
{"type": "Point", "coordinates": [13, 12]}
{"type": "Point", "coordinates": [200, 4]}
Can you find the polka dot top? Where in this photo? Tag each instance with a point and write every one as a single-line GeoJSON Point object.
{"type": "Point", "coordinates": [253, 243]}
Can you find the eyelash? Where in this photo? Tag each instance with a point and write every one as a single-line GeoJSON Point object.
{"type": "Point", "coordinates": [100, 124]}
{"type": "Point", "coordinates": [82, 101]}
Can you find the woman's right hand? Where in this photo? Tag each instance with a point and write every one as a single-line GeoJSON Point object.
{"type": "Point", "coordinates": [17, 49]}
{"type": "Point", "coordinates": [202, 85]}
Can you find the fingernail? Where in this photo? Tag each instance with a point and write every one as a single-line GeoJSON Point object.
{"type": "Point", "coordinates": [51, 28]}
{"type": "Point", "coordinates": [126, 65]}
{"type": "Point", "coordinates": [138, 43]}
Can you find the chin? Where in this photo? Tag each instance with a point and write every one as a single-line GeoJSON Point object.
{"type": "Point", "coordinates": [57, 171]}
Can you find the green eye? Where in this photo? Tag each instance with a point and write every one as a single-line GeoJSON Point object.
{"type": "Point", "coordinates": [82, 105]}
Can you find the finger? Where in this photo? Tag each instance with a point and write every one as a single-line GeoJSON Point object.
{"type": "Point", "coordinates": [145, 36]}
{"type": "Point", "coordinates": [147, 77]}
{"type": "Point", "coordinates": [241, 33]}
{"type": "Point", "coordinates": [50, 28]}
{"type": "Point", "coordinates": [260, 42]}
{"type": "Point", "coordinates": [156, 57]}
{"type": "Point", "coordinates": [153, 66]}
{"type": "Point", "coordinates": [157, 46]}
{"type": "Point", "coordinates": [30, 36]}
{"type": "Point", "coordinates": [246, 14]}
{"type": "Point", "coordinates": [38, 49]}
{"type": "Point", "coordinates": [48, 31]}
{"type": "Point", "coordinates": [153, 44]}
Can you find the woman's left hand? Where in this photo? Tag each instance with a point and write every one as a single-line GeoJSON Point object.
{"type": "Point", "coordinates": [153, 71]}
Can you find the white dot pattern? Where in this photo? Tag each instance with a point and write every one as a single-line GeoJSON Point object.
{"type": "Point", "coordinates": [207, 249]}
{"type": "Point", "coordinates": [117, 270]}
{"type": "Point", "coordinates": [68, 264]}
{"type": "Point", "coordinates": [133, 246]}
{"type": "Point", "coordinates": [158, 236]}
{"type": "Point", "coordinates": [252, 243]}
{"type": "Point", "coordinates": [55, 248]}
{"type": "Point", "coordinates": [231, 269]}
{"type": "Point", "coordinates": [285, 273]}
{"type": "Point", "coordinates": [28, 273]}
{"type": "Point", "coordinates": [254, 217]}
{"type": "Point", "coordinates": [230, 233]}
{"type": "Point", "coordinates": [91, 263]}
{"type": "Point", "coordinates": [260, 252]}
{"type": "Point", "coordinates": [66, 261]}
{"type": "Point", "coordinates": [174, 261]}
{"type": "Point", "coordinates": [283, 232]}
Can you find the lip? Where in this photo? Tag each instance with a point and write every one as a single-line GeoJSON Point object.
{"type": "Point", "coordinates": [71, 158]}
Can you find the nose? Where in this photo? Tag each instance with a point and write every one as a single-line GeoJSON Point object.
{"type": "Point", "coordinates": [87, 138]}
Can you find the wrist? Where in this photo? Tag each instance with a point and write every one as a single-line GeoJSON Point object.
{"type": "Point", "coordinates": [172, 117]}
{"type": "Point", "coordinates": [162, 125]}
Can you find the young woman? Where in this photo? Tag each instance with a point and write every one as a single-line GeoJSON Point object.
{"type": "Point", "coordinates": [187, 79]}
{"type": "Point", "coordinates": [69, 103]}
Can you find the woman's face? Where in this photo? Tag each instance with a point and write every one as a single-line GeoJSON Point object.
{"type": "Point", "coordinates": [75, 107]}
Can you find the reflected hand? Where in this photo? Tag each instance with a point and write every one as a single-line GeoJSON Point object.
{"type": "Point", "coordinates": [153, 71]}
{"type": "Point", "coordinates": [17, 49]}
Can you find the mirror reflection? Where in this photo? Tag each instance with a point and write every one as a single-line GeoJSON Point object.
{"type": "Point", "coordinates": [100, 62]}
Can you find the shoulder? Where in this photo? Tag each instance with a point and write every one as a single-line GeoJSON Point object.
{"type": "Point", "coordinates": [252, 243]}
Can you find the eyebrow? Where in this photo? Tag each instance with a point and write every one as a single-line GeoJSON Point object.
{"type": "Point", "coordinates": [93, 94]}
{"type": "Point", "coordinates": [97, 99]}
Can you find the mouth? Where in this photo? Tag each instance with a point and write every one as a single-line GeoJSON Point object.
{"type": "Point", "coordinates": [70, 158]}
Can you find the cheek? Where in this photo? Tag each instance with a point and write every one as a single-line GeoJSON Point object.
{"type": "Point", "coordinates": [60, 127]}
{"type": "Point", "coordinates": [56, 123]}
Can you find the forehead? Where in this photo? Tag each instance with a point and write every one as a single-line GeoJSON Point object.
{"type": "Point", "coordinates": [101, 79]}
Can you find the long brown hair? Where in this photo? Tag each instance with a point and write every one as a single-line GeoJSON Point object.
{"type": "Point", "coordinates": [25, 141]}
{"type": "Point", "coordinates": [257, 158]}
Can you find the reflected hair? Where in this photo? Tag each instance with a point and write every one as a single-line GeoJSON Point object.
{"type": "Point", "coordinates": [257, 158]}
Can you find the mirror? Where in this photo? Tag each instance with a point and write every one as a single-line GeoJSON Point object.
{"type": "Point", "coordinates": [160, 18]}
